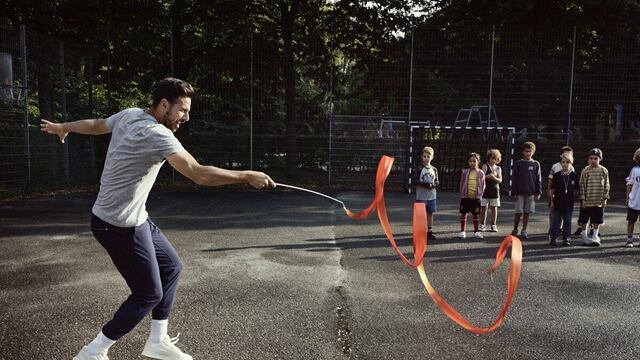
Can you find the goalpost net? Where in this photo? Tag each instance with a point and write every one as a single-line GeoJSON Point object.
{"type": "Point", "coordinates": [452, 145]}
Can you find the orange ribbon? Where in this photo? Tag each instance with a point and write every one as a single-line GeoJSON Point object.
{"type": "Point", "coordinates": [420, 248]}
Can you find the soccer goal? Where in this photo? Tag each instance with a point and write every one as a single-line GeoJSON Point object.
{"type": "Point", "coordinates": [452, 145]}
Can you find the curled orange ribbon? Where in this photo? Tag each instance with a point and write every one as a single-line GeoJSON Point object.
{"type": "Point", "coordinates": [420, 248]}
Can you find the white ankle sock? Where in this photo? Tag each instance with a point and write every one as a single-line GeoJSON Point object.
{"type": "Point", "coordinates": [595, 232]}
{"type": "Point", "coordinates": [158, 330]}
{"type": "Point", "coordinates": [100, 344]}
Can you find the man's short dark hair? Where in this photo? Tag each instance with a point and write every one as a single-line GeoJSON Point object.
{"type": "Point", "coordinates": [171, 89]}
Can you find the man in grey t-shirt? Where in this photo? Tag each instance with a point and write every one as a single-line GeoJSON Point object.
{"type": "Point", "coordinates": [140, 143]}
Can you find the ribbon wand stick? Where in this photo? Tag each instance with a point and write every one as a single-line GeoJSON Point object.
{"type": "Point", "coordinates": [312, 192]}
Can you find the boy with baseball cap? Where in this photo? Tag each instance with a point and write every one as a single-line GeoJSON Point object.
{"type": "Point", "coordinates": [594, 193]}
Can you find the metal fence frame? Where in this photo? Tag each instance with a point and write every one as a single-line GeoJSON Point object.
{"type": "Point", "coordinates": [324, 164]}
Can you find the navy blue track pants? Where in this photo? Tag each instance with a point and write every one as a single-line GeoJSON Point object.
{"type": "Point", "coordinates": [150, 266]}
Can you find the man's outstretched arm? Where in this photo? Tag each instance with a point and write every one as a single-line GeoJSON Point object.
{"type": "Point", "coordinates": [86, 127]}
{"type": "Point", "coordinates": [187, 165]}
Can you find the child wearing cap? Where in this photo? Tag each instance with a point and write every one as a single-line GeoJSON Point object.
{"type": "Point", "coordinates": [561, 190]}
{"type": "Point", "coordinates": [426, 180]}
{"type": "Point", "coordinates": [632, 198]}
{"type": "Point", "coordinates": [594, 193]}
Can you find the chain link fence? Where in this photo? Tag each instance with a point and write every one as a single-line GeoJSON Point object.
{"type": "Point", "coordinates": [61, 90]}
{"type": "Point", "coordinates": [348, 107]}
{"type": "Point", "coordinates": [14, 135]}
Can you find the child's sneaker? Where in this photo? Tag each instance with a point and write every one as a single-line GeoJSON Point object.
{"type": "Point", "coordinates": [578, 232]}
{"type": "Point", "coordinates": [462, 235]}
{"type": "Point", "coordinates": [165, 350]}
{"type": "Point", "coordinates": [524, 235]}
{"type": "Point", "coordinates": [84, 355]}
{"type": "Point", "coordinates": [566, 242]}
{"type": "Point", "coordinates": [514, 232]}
{"type": "Point", "coordinates": [629, 243]}
{"type": "Point", "coordinates": [482, 228]}
{"type": "Point", "coordinates": [477, 235]}
{"type": "Point", "coordinates": [430, 235]}
{"type": "Point", "coordinates": [596, 240]}
{"type": "Point", "coordinates": [494, 228]}
{"type": "Point", "coordinates": [585, 239]}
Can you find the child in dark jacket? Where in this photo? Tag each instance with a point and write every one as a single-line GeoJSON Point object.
{"type": "Point", "coordinates": [563, 185]}
{"type": "Point", "coordinates": [525, 188]}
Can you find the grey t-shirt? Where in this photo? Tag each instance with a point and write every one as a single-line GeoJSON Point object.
{"type": "Point", "coordinates": [138, 147]}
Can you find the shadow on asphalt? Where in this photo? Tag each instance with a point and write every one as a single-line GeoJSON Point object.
{"type": "Point", "coordinates": [531, 253]}
{"type": "Point", "coordinates": [324, 244]}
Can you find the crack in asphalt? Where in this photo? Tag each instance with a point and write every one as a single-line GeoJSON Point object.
{"type": "Point", "coordinates": [343, 333]}
{"type": "Point", "coordinates": [344, 340]}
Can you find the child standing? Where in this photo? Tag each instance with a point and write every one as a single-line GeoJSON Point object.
{"type": "Point", "coordinates": [579, 229]}
{"type": "Point", "coordinates": [426, 180]}
{"type": "Point", "coordinates": [594, 193]}
{"type": "Point", "coordinates": [526, 188]}
{"type": "Point", "coordinates": [471, 190]}
{"type": "Point", "coordinates": [561, 190]}
{"type": "Point", "coordinates": [554, 169]}
{"type": "Point", "coordinates": [491, 196]}
{"type": "Point", "coordinates": [632, 198]}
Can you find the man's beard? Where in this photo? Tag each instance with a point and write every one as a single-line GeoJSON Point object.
{"type": "Point", "coordinates": [166, 121]}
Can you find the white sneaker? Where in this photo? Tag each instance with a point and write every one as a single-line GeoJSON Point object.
{"type": "Point", "coordinates": [84, 355]}
{"type": "Point", "coordinates": [494, 228]}
{"type": "Point", "coordinates": [462, 235]}
{"type": "Point", "coordinates": [629, 243]}
{"type": "Point", "coordinates": [596, 241]}
{"type": "Point", "coordinates": [482, 228]}
{"type": "Point", "coordinates": [585, 239]}
{"type": "Point", "coordinates": [477, 235]}
{"type": "Point", "coordinates": [165, 350]}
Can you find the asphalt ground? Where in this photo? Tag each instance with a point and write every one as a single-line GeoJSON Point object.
{"type": "Point", "coordinates": [286, 275]}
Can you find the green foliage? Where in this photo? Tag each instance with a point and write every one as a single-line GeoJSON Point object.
{"type": "Point", "coordinates": [342, 52]}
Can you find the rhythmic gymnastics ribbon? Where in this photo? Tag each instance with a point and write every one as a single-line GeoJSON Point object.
{"type": "Point", "coordinates": [420, 248]}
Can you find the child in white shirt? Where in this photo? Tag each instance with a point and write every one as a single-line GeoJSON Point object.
{"type": "Point", "coordinates": [632, 198]}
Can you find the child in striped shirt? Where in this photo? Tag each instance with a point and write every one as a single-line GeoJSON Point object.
{"type": "Point", "coordinates": [594, 193]}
